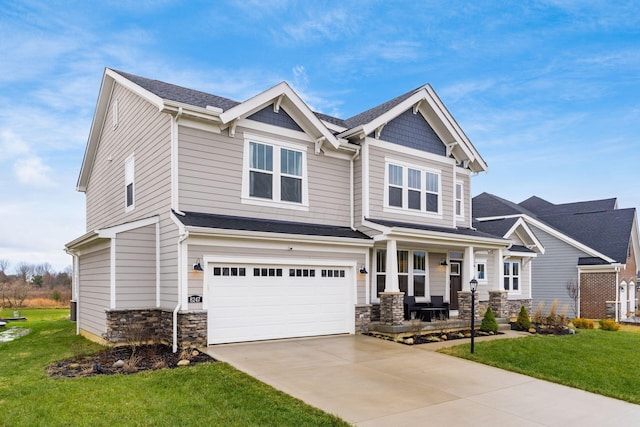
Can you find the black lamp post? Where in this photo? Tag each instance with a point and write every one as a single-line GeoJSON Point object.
{"type": "Point", "coordinates": [474, 286]}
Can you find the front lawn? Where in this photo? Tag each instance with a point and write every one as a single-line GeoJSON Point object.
{"type": "Point", "coordinates": [205, 394]}
{"type": "Point", "coordinates": [598, 361]}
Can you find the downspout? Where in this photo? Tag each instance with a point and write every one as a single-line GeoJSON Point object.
{"type": "Point", "coordinates": [175, 197]}
{"type": "Point", "coordinates": [75, 290]}
{"type": "Point", "coordinates": [179, 305]}
{"type": "Point", "coordinates": [352, 190]}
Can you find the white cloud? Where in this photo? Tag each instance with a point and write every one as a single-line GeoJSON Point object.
{"type": "Point", "coordinates": [33, 172]}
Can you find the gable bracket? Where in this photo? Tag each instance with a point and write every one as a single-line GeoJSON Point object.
{"type": "Point", "coordinates": [416, 106]}
{"type": "Point", "coordinates": [232, 128]}
{"type": "Point", "coordinates": [276, 104]}
{"type": "Point", "coordinates": [450, 146]}
{"type": "Point", "coordinates": [379, 130]}
{"type": "Point", "coordinates": [319, 143]}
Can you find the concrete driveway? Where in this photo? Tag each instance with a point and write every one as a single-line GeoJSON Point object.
{"type": "Point", "coordinates": [372, 382]}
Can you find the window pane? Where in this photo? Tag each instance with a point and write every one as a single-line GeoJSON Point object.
{"type": "Point", "coordinates": [506, 283]}
{"type": "Point", "coordinates": [403, 261]}
{"type": "Point", "coordinates": [291, 189]}
{"type": "Point", "coordinates": [414, 200]}
{"type": "Point", "coordinates": [419, 262]}
{"type": "Point", "coordinates": [418, 286]}
{"type": "Point", "coordinates": [432, 182]}
{"type": "Point", "coordinates": [481, 275]}
{"type": "Point", "coordinates": [395, 175]}
{"type": "Point", "coordinates": [458, 191]}
{"type": "Point", "coordinates": [507, 269]}
{"type": "Point", "coordinates": [129, 194]}
{"type": "Point", "coordinates": [395, 196]}
{"type": "Point", "coordinates": [380, 283]}
{"type": "Point", "coordinates": [260, 185]}
{"type": "Point", "coordinates": [458, 207]}
{"type": "Point", "coordinates": [432, 202]}
{"type": "Point", "coordinates": [381, 260]}
{"type": "Point", "coordinates": [516, 269]}
{"type": "Point", "coordinates": [516, 283]}
{"type": "Point", "coordinates": [290, 162]}
{"type": "Point", "coordinates": [261, 156]}
{"type": "Point", "coordinates": [414, 179]}
{"type": "Point", "coordinates": [403, 284]}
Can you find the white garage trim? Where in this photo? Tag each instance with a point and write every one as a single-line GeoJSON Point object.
{"type": "Point", "coordinates": [341, 321]}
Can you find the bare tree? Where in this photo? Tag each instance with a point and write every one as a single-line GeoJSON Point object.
{"type": "Point", "coordinates": [4, 265]}
{"type": "Point", "coordinates": [573, 290]}
{"type": "Point", "coordinates": [24, 271]}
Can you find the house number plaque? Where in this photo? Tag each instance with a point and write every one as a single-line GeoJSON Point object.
{"type": "Point", "coordinates": [194, 299]}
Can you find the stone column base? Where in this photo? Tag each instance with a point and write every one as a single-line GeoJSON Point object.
{"type": "Point", "coordinates": [464, 305]}
{"type": "Point", "coordinates": [498, 301]}
{"type": "Point", "coordinates": [391, 308]}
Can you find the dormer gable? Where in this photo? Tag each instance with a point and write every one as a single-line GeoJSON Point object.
{"type": "Point", "coordinates": [426, 103]}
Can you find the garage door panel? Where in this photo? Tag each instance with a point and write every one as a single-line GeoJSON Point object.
{"type": "Point", "coordinates": [250, 307]}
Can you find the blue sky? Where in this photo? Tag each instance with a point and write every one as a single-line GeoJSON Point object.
{"type": "Point", "coordinates": [548, 91]}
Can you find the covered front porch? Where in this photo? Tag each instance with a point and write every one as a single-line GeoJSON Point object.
{"type": "Point", "coordinates": [434, 265]}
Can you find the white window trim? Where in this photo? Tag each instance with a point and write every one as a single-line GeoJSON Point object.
{"type": "Point", "coordinates": [276, 174]}
{"type": "Point", "coordinates": [461, 200]}
{"type": "Point", "coordinates": [482, 262]}
{"type": "Point", "coordinates": [409, 274]}
{"type": "Point", "coordinates": [510, 276]}
{"type": "Point", "coordinates": [405, 190]}
{"type": "Point", "coordinates": [130, 178]}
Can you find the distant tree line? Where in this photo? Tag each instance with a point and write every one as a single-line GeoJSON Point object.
{"type": "Point", "coordinates": [15, 288]}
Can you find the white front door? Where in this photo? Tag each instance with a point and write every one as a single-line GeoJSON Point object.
{"type": "Point", "coordinates": [250, 302]}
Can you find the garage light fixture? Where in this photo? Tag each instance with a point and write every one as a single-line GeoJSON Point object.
{"type": "Point", "coordinates": [197, 266]}
{"type": "Point", "coordinates": [363, 270]}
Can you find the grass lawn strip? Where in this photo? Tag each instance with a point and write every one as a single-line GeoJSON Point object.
{"type": "Point", "coordinates": [207, 394]}
{"type": "Point", "coordinates": [598, 361]}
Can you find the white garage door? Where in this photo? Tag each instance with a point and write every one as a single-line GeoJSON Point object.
{"type": "Point", "coordinates": [250, 302]}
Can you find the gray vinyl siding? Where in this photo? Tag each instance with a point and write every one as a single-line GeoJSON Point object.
{"type": "Point", "coordinates": [437, 275]}
{"type": "Point", "coordinates": [210, 180]}
{"type": "Point", "coordinates": [169, 236]}
{"type": "Point", "coordinates": [552, 270]}
{"type": "Point", "coordinates": [377, 188]}
{"type": "Point", "coordinates": [136, 268]}
{"type": "Point", "coordinates": [94, 291]}
{"type": "Point", "coordinates": [142, 131]}
{"type": "Point", "coordinates": [199, 251]}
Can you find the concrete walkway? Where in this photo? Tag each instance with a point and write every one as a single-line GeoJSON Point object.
{"type": "Point", "coordinates": [372, 382]}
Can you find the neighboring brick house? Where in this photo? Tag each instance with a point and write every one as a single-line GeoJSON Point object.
{"type": "Point", "coordinates": [592, 244]}
{"type": "Point", "coordinates": [212, 221]}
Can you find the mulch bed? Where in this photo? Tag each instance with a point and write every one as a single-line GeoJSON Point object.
{"type": "Point", "coordinates": [146, 358]}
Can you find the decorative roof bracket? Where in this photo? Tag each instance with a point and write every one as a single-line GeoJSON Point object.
{"type": "Point", "coordinates": [379, 130]}
{"type": "Point", "coordinates": [450, 146]}
{"type": "Point", "coordinates": [319, 143]}
{"type": "Point", "coordinates": [232, 128]}
{"type": "Point", "coordinates": [416, 106]}
{"type": "Point", "coordinates": [276, 104]}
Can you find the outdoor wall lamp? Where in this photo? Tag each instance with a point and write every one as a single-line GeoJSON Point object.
{"type": "Point", "coordinates": [443, 262]}
{"type": "Point", "coordinates": [363, 270]}
{"type": "Point", "coordinates": [474, 286]}
{"type": "Point", "coordinates": [197, 266]}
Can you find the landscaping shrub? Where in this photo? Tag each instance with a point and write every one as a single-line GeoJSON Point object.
{"type": "Point", "coordinates": [489, 323]}
{"type": "Point", "coordinates": [581, 323]}
{"type": "Point", "coordinates": [523, 323]}
{"type": "Point", "coordinates": [609, 325]}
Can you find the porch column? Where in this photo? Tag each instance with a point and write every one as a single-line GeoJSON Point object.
{"type": "Point", "coordinates": [392, 300]}
{"type": "Point", "coordinates": [498, 276]}
{"type": "Point", "coordinates": [391, 280]}
{"type": "Point", "coordinates": [468, 268]}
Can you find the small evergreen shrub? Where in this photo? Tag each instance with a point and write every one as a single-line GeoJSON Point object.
{"type": "Point", "coordinates": [609, 325]}
{"type": "Point", "coordinates": [523, 323]}
{"type": "Point", "coordinates": [489, 323]}
{"type": "Point", "coordinates": [581, 323]}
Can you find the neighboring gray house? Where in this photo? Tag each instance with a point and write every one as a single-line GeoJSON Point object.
{"type": "Point", "coordinates": [213, 221]}
{"type": "Point", "coordinates": [591, 244]}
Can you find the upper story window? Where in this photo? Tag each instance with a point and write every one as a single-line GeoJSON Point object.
{"type": "Point", "coordinates": [412, 188]}
{"type": "Point", "coordinates": [274, 175]}
{"type": "Point", "coordinates": [129, 183]}
{"type": "Point", "coordinates": [512, 276]}
{"type": "Point", "coordinates": [459, 199]}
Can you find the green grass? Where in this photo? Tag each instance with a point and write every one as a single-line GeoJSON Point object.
{"type": "Point", "coordinates": [205, 394]}
{"type": "Point", "coordinates": [598, 361]}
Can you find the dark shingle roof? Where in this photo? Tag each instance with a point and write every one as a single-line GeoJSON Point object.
{"type": "Point", "coordinates": [373, 113]}
{"type": "Point", "coordinates": [459, 230]}
{"type": "Point", "coordinates": [497, 227]}
{"type": "Point", "coordinates": [591, 260]}
{"type": "Point", "coordinates": [179, 93]}
{"type": "Point", "coordinates": [541, 207]}
{"type": "Point", "coordinates": [197, 219]}
{"type": "Point", "coordinates": [520, 248]}
{"type": "Point", "coordinates": [488, 205]}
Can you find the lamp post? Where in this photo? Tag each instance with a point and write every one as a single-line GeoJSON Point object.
{"type": "Point", "coordinates": [474, 286]}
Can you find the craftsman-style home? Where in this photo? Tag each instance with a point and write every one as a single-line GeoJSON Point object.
{"type": "Point", "coordinates": [214, 221]}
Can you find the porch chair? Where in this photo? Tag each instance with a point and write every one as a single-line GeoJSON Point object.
{"type": "Point", "coordinates": [437, 301]}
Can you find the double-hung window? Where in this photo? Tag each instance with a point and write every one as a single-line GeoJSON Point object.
{"type": "Point", "coordinates": [512, 276]}
{"type": "Point", "coordinates": [412, 272]}
{"type": "Point", "coordinates": [459, 199]}
{"type": "Point", "coordinates": [413, 189]}
{"type": "Point", "coordinates": [274, 175]}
